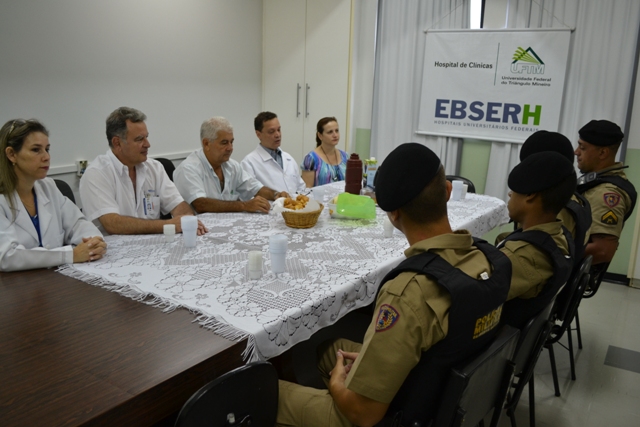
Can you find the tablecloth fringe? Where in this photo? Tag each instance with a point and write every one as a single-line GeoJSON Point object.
{"type": "Point", "coordinates": [217, 326]}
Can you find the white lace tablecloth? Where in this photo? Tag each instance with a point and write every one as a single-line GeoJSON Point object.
{"type": "Point", "coordinates": [331, 269]}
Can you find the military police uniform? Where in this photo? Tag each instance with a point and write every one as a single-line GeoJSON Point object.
{"type": "Point", "coordinates": [609, 204]}
{"type": "Point", "coordinates": [531, 267]}
{"type": "Point", "coordinates": [411, 316]}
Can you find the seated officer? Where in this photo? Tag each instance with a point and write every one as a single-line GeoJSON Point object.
{"type": "Point", "coordinates": [423, 324]}
{"type": "Point", "coordinates": [605, 186]}
{"type": "Point", "coordinates": [540, 251]}
{"type": "Point", "coordinates": [576, 215]}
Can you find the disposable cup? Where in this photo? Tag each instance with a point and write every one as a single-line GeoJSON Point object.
{"type": "Point", "coordinates": [254, 265]}
{"type": "Point", "coordinates": [387, 227]}
{"type": "Point", "coordinates": [169, 232]}
{"type": "Point", "coordinates": [465, 187]}
{"type": "Point", "coordinates": [318, 194]}
{"type": "Point", "coordinates": [456, 192]}
{"type": "Point", "coordinates": [189, 224]}
{"type": "Point", "coordinates": [278, 252]}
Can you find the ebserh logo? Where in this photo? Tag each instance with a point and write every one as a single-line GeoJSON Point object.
{"type": "Point", "coordinates": [526, 61]}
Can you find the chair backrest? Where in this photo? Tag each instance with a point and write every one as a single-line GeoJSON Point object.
{"type": "Point", "coordinates": [529, 343]}
{"type": "Point", "coordinates": [65, 189]}
{"type": "Point", "coordinates": [248, 395]}
{"type": "Point", "coordinates": [481, 385]}
{"type": "Point", "coordinates": [470, 187]}
{"type": "Point", "coordinates": [169, 167]}
{"type": "Point", "coordinates": [569, 299]}
{"type": "Point", "coordinates": [596, 274]}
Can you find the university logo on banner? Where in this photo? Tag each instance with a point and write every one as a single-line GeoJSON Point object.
{"type": "Point", "coordinates": [498, 85]}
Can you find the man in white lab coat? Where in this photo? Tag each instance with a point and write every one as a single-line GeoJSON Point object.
{"type": "Point", "coordinates": [270, 165]}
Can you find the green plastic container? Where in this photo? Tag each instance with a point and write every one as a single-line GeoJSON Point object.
{"type": "Point", "coordinates": [353, 206]}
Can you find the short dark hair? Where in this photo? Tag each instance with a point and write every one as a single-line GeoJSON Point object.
{"type": "Point", "coordinates": [431, 204]}
{"type": "Point", "coordinates": [117, 122]}
{"type": "Point", "coordinates": [555, 198]}
{"type": "Point", "coordinates": [265, 116]}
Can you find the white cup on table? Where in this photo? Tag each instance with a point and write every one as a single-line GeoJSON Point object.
{"type": "Point", "coordinates": [317, 194]}
{"type": "Point", "coordinates": [465, 188]}
{"type": "Point", "coordinates": [169, 231]}
{"type": "Point", "coordinates": [456, 192]}
{"type": "Point", "coordinates": [254, 265]}
{"type": "Point", "coordinates": [278, 252]}
{"type": "Point", "coordinates": [189, 224]}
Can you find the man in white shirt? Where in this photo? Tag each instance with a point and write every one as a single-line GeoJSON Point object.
{"type": "Point", "coordinates": [123, 191]}
{"type": "Point", "coordinates": [211, 181]}
{"type": "Point", "coordinates": [268, 163]}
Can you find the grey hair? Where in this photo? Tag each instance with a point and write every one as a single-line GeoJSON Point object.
{"type": "Point", "coordinates": [212, 126]}
{"type": "Point", "coordinates": [117, 122]}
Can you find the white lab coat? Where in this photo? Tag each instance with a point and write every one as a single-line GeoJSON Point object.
{"type": "Point", "coordinates": [61, 225]}
{"type": "Point", "coordinates": [265, 169]}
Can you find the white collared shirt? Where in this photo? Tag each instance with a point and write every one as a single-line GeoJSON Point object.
{"type": "Point", "coordinates": [262, 166]}
{"type": "Point", "coordinates": [195, 179]}
{"type": "Point", "coordinates": [107, 188]}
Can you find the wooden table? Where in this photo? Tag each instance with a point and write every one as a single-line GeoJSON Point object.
{"type": "Point", "coordinates": [73, 354]}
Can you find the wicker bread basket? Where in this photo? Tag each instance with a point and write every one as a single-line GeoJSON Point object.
{"type": "Point", "coordinates": [302, 219]}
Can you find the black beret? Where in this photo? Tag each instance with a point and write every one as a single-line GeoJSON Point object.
{"type": "Point", "coordinates": [601, 132]}
{"type": "Point", "coordinates": [539, 172]}
{"type": "Point", "coordinates": [543, 140]}
{"type": "Point", "coordinates": [404, 174]}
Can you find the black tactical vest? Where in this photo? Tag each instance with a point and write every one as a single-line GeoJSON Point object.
{"type": "Point", "coordinates": [518, 310]}
{"type": "Point", "coordinates": [592, 179]}
{"type": "Point", "coordinates": [474, 314]}
{"type": "Point", "coordinates": [581, 213]}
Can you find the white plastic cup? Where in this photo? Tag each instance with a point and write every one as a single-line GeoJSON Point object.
{"type": "Point", "coordinates": [278, 252]}
{"type": "Point", "coordinates": [318, 194]}
{"type": "Point", "coordinates": [189, 224]}
{"type": "Point", "coordinates": [456, 193]}
{"type": "Point", "coordinates": [254, 265]}
{"type": "Point", "coordinates": [465, 187]}
{"type": "Point", "coordinates": [169, 231]}
{"type": "Point", "coordinates": [387, 227]}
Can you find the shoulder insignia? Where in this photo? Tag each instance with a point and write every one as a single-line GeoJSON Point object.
{"type": "Point", "coordinates": [387, 317]}
{"type": "Point", "coordinates": [611, 199]}
{"type": "Point", "coordinates": [609, 218]}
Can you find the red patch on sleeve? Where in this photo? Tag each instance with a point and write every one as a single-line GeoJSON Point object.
{"type": "Point", "coordinates": [611, 199]}
{"type": "Point", "coordinates": [387, 317]}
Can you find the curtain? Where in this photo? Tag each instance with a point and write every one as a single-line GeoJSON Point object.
{"type": "Point", "coordinates": [398, 74]}
{"type": "Point", "coordinates": [599, 72]}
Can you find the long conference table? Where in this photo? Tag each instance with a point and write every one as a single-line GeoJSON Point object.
{"type": "Point", "coordinates": [72, 353]}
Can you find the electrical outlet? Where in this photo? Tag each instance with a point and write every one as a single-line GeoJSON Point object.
{"type": "Point", "coordinates": [81, 166]}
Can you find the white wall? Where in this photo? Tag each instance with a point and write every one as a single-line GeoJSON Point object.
{"type": "Point", "coordinates": [70, 63]}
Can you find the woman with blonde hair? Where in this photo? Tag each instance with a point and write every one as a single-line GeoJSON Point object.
{"type": "Point", "coordinates": [39, 227]}
{"type": "Point", "coordinates": [326, 163]}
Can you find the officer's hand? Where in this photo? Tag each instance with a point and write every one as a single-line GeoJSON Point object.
{"type": "Point", "coordinates": [350, 358]}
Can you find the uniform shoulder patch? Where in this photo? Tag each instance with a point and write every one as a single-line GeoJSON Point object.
{"type": "Point", "coordinates": [387, 317]}
{"type": "Point", "coordinates": [611, 199]}
{"type": "Point", "coordinates": [609, 218]}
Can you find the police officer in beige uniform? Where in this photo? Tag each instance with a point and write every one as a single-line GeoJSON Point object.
{"type": "Point", "coordinates": [540, 254]}
{"type": "Point", "coordinates": [611, 202]}
{"type": "Point", "coordinates": [417, 321]}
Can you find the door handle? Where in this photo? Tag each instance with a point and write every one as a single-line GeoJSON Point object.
{"type": "Point", "coordinates": [306, 102]}
{"type": "Point", "coordinates": [298, 100]}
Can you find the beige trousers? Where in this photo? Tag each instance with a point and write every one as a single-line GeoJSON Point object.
{"type": "Point", "coordinates": [301, 406]}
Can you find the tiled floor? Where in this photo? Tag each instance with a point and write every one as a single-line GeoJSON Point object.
{"type": "Point", "coordinates": [603, 394]}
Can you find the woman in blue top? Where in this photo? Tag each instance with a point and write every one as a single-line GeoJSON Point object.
{"type": "Point", "coordinates": [39, 227]}
{"type": "Point", "coordinates": [326, 163]}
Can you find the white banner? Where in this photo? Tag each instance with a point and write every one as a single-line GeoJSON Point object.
{"type": "Point", "coordinates": [498, 85]}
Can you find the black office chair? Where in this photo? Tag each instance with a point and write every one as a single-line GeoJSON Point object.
{"type": "Point", "coordinates": [532, 338]}
{"type": "Point", "coordinates": [246, 396]}
{"type": "Point", "coordinates": [478, 387]}
{"type": "Point", "coordinates": [65, 189]}
{"type": "Point", "coordinates": [470, 187]}
{"type": "Point", "coordinates": [168, 165]}
{"type": "Point", "coordinates": [565, 311]}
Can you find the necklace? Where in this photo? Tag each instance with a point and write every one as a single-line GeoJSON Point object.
{"type": "Point", "coordinates": [334, 152]}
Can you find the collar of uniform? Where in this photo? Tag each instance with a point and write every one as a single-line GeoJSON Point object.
{"type": "Point", "coordinates": [551, 228]}
{"type": "Point", "coordinates": [226, 171]}
{"type": "Point", "coordinates": [460, 239]}
{"type": "Point", "coordinates": [613, 168]}
{"type": "Point", "coordinates": [120, 167]}
{"type": "Point", "coordinates": [270, 153]}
